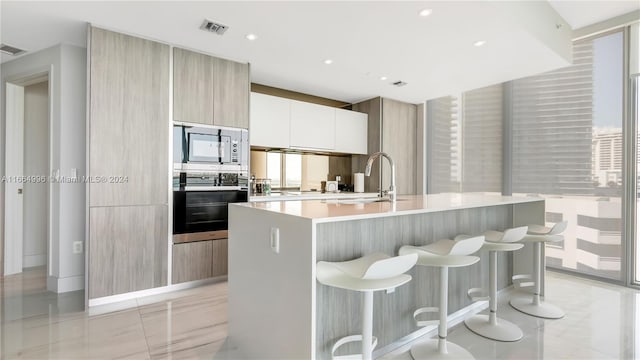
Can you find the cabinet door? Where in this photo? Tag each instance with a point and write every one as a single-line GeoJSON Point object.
{"type": "Point", "coordinates": [351, 132]}
{"type": "Point", "coordinates": [192, 87]}
{"type": "Point", "coordinates": [220, 255]}
{"type": "Point", "coordinates": [129, 120]}
{"type": "Point", "coordinates": [192, 261]}
{"type": "Point", "coordinates": [230, 93]}
{"type": "Point", "coordinates": [312, 126]}
{"type": "Point", "coordinates": [269, 126]}
{"type": "Point", "coordinates": [127, 249]}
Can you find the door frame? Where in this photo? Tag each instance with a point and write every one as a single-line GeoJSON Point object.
{"type": "Point", "coordinates": [15, 246]}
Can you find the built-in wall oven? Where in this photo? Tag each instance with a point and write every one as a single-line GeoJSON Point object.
{"type": "Point", "coordinates": [209, 172]}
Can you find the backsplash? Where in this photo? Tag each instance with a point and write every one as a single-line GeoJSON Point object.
{"type": "Point", "coordinates": [299, 171]}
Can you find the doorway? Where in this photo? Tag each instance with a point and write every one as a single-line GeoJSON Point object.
{"type": "Point", "coordinates": [26, 180]}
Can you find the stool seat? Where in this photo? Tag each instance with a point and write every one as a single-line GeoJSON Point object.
{"type": "Point", "coordinates": [541, 238]}
{"type": "Point", "coordinates": [545, 230]}
{"type": "Point", "coordinates": [371, 272]}
{"type": "Point", "coordinates": [446, 252]}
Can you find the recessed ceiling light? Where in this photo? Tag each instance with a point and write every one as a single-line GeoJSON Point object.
{"type": "Point", "coordinates": [251, 37]}
{"type": "Point", "coordinates": [383, 78]}
{"type": "Point", "coordinates": [425, 12]}
{"type": "Point", "coordinates": [479, 43]}
{"type": "Point", "coordinates": [328, 61]}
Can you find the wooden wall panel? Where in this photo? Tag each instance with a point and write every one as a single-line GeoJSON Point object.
{"type": "Point", "coordinates": [371, 107]}
{"type": "Point", "coordinates": [399, 126]}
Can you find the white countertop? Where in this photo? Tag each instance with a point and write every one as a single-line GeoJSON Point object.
{"type": "Point", "coordinates": [310, 195]}
{"type": "Point", "coordinates": [349, 209]}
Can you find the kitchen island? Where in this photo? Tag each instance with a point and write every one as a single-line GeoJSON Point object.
{"type": "Point", "coordinates": [277, 309]}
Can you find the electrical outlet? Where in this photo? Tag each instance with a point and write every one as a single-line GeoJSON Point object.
{"type": "Point", "coordinates": [275, 240]}
{"type": "Point", "coordinates": [77, 247]}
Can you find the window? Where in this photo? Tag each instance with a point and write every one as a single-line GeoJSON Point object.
{"type": "Point", "coordinates": [466, 141]}
{"type": "Point", "coordinates": [567, 148]}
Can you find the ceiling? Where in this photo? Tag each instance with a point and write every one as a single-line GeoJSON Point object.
{"type": "Point", "coordinates": [365, 39]}
{"type": "Point", "coordinates": [584, 13]}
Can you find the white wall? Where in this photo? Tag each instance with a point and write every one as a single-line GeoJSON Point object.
{"type": "Point", "coordinates": [36, 163]}
{"type": "Point", "coordinates": [67, 150]}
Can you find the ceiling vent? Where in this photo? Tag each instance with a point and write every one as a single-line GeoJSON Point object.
{"type": "Point", "coordinates": [399, 83]}
{"type": "Point", "coordinates": [213, 27]}
{"type": "Point", "coordinates": [13, 51]}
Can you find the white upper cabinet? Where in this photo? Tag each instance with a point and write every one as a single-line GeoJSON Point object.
{"type": "Point", "coordinates": [312, 126]}
{"type": "Point", "coordinates": [281, 123]}
{"type": "Point", "coordinates": [269, 125]}
{"type": "Point", "coordinates": [351, 132]}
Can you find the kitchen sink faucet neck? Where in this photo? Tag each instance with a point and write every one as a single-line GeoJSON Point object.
{"type": "Point", "coordinates": [392, 188]}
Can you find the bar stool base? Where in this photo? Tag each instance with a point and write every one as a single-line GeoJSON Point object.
{"type": "Point", "coordinates": [542, 310]}
{"type": "Point", "coordinates": [429, 350]}
{"type": "Point", "coordinates": [502, 331]}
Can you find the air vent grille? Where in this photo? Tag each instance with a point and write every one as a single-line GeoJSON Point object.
{"type": "Point", "coordinates": [213, 27]}
{"type": "Point", "coordinates": [399, 83]}
{"type": "Point", "coordinates": [7, 49]}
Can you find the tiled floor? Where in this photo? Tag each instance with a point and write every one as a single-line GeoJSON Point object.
{"type": "Point", "coordinates": [602, 322]}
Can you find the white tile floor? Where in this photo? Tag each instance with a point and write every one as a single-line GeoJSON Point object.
{"type": "Point", "coordinates": [602, 322]}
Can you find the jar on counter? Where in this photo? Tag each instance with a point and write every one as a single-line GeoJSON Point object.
{"type": "Point", "coordinates": [263, 186]}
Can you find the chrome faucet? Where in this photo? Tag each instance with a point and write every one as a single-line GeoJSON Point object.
{"type": "Point", "coordinates": [392, 188]}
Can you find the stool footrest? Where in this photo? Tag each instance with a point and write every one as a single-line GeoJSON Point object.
{"type": "Point", "coordinates": [423, 310]}
{"type": "Point", "coordinates": [349, 339]}
{"type": "Point", "coordinates": [521, 281]}
{"type": "Point", "coordinates": [477, 294]}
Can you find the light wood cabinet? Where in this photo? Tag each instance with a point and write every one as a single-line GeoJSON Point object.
{"type": "Point", "coordinates": [220, 257]}
{"type": "Point", "coordinates": [312, 126]}
{"type": "Point", "coordinates": [199, 260]}
{"type": "Point", "coordinates": [129, 116]}
{"type": "Point", "coordinates": [192, 261]}
{"type": "Point", "coordinates": [210, 90]}
{"type": "Point", "coordinates": [128, 160]}
{"type": "Point", "coordinates": [392, 129]}
{"type": "Point", "coordinates": [193, 87]}
{"type": "Point", "coordinates": [269, 121]}
{"type": "Point", "coordinates": [230, 93]}
{"type": "Point", "coordinates": [399, 124]}
{"type": "Point", "coordinates": [351, 132]}
{"type": "Point", "coordinates": [127, 249]}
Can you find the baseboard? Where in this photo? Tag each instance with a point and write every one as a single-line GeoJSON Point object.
{"type": "Point", "coordinates": [67, 284]}
{"type": "Point", "coordinates": [34, 260]}
{"type": "Point", "coordinates": [154, 291]}
{"type": "Point", "coordinates": [452, 320]}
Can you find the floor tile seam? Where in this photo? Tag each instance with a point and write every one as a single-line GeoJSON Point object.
{"type": "Point", "coordinates": [144, 332]}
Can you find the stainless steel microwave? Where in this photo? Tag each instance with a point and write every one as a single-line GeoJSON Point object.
{"type": "Point", "coordinates": [204, 148]}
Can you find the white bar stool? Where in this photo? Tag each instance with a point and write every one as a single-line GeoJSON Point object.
{"type": "Point", "coordinates": [538, 235]}
{"type": "Point", "coordinates": [490, 326]}
{"type": "Point", "coordinates": [443, 254]}
{"type": "Point", "coordinates": [373, 272]}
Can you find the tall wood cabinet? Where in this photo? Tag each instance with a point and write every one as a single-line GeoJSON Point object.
{"type": "Point", "coordinates": [128, 157]}
{"type": "Point", "coordinates": [392, 128]}
{"type": "Point", "coordinates": [210, 90]}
